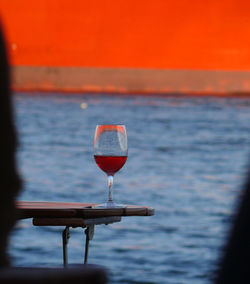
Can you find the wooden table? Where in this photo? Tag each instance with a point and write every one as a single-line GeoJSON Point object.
{"type": "Point", "coordinates": [85, 215]}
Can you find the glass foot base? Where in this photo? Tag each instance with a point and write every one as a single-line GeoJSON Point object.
{"type": "Point", "coordinates": [110, 205]}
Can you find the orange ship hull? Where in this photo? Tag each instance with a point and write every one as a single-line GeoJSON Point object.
{"type": "Point", "coordinates": [129, 46]}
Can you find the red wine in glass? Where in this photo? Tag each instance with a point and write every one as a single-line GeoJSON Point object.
{"type": "Point", "coordinates": [110, 153]}
{"type": "Point", "coordinates": [110, 164]}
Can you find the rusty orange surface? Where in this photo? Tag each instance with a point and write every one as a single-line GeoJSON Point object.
{"type": "Point", "coordinates": [185, 34]}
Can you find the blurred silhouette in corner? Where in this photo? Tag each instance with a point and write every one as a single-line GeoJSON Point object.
{"type": "Point", "coordinates": [235, 262]}
{"type": "Point", "coordinates": [9, 178]}
{"type": "Point", "coordinates": [10, 186]}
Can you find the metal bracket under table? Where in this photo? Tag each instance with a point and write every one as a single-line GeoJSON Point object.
{"type": "Point", "coordinates": [88, 224]}
{"type": "Point", "coordinates": [89, 232]}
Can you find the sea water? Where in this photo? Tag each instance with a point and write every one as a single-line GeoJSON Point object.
{"type": "Point", "coordinates": [187, 159]}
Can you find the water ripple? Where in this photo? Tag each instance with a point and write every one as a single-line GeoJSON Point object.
{"type": "Point", "coordinates": [187, 159]}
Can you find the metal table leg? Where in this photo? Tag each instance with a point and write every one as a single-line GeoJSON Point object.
{"type": "Point", "coordinates": [89, 232]}
{"type": "Point", "coordinates": [89, 236]}
{"type": "Point", "coordinates": [65, 239]}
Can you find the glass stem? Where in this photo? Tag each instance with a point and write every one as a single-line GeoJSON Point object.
{"type": "Point", "coordinates": [110, 183]}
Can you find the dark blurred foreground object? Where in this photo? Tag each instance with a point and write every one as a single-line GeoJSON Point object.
{"type": "Point", "coordinates": [80, 274]}
{"type": "Point", "coordinates": [235, 264]}
{"type": "Point", "coordinates": [10, 182]}
{"type": "Point", "coordinates": [10, 186]}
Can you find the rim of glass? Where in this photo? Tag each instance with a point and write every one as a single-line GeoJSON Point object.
{"type": "Point", "coordinates": [110, 124]}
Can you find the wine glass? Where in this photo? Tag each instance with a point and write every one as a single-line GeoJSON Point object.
{"type": "Point", "coordinates": [110, 153]}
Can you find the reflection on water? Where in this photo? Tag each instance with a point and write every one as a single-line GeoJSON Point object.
{"type": "Point", "coordinates": [187, 159]}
